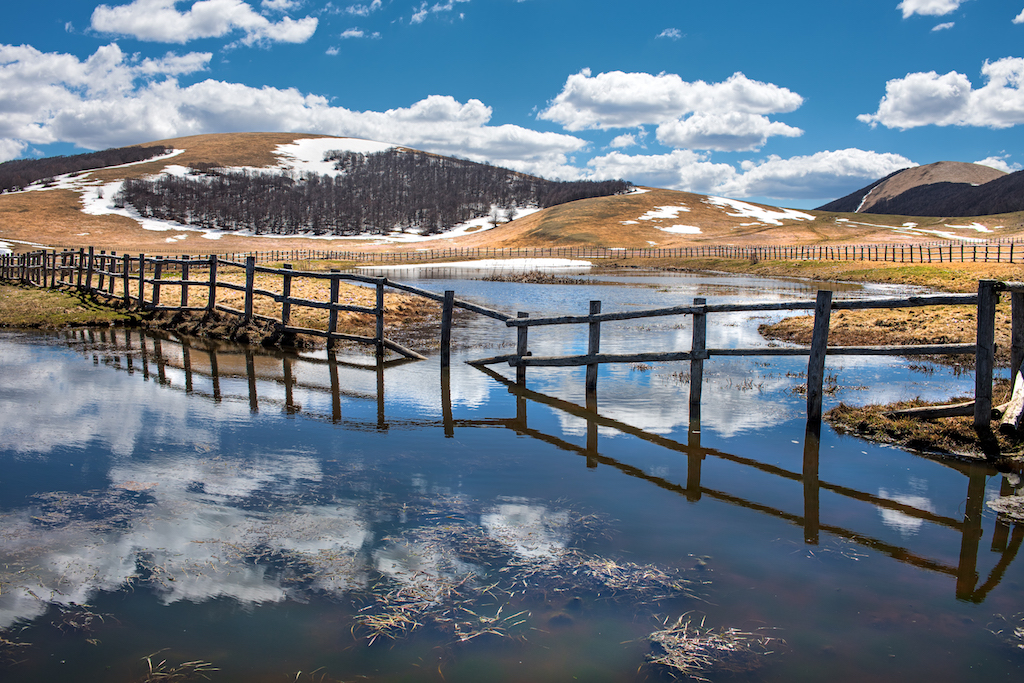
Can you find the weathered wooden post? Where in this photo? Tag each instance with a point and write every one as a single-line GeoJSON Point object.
{"type": "Point", "coordinates": [447, 310]}
{"type": "Point", "coordinates": [186, 360]}
{"type": "Point", "coordinates": [142, 279]}
{"type": "Point", "coordinates": [211, 297]}
{"type": "Point", "coordinates": [286, 293]}
{"type": "Point", "coordinates": [985, 353]}
{"type": "Point", "coordinates": [332, 317]}
{"type": "Point", "coordinates": [332, 364]}
{"type": "Point", "coordinates": [79, 277]}
{"type": "Point", "coordinates": [1011, 421]}
{"type": "Point", "coordinates": [379, 334]}
{"type": "Point", "coordinates": [697, 355]}
{"type": "Point", "coordinates": [816, 361]}
{"type": "Point", "coordinates": [126, 270]}
{"type": "Point", "coordinates": [184, 281]}
{"type": "Point", "coordinates": [112, 267]}
{"type": "Point", "coordinates": [250, 373]}
{"type": "Point", "coordinates": [593, 347]}
{"type": "Point", "coordinates": [812, 507]}
{"type": "Point", "coordinates": [158, 268]}
{"type": "Point", "coordinates": [250, 280]}
{"type": "Point", "coordinates": [90, 266]}
{"type": "Point", "coordinates": [101, 271]}
{"type": "Point", "coordinates": [521, 349]}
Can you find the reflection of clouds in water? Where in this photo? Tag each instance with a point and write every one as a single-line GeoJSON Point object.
{"type": "Point", "coordinates": [530, 531]}
{"type": "Point", "coordinates": [916, 498]}
{"type": "Point", "coordinates": [49, 398]}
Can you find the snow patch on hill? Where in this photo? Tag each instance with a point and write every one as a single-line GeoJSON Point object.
{"type": "Point", "coordinates": [307, 156]}
{"type": "Point", "coordinates": [758, 213]}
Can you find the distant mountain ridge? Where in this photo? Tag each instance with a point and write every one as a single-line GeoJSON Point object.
{"type": "Point", "coordinates": [945, 188]}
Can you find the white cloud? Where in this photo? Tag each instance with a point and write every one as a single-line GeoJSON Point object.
{"type": "Point", "coordinates": [671, 34]}
{"type": "Point", "coordinates": [364, 10]}
{"type": "Point", "coordinates": [932, 8]}
{"type": "Point", "coordinates": [109, 100]}
{"type": "Point", "coordinates": [426, 9]}
{"type": "Point", "coordinates": [160, 21]}
{"type": "Point", "coordinates": [921, 99]}
{"type": "Point", "coordinates": [732, 131]}
{"type": "Point", "coordinates": [1019, 19]}
{"type": "Point", "coordinates": [625, 100]}
{"type": "Point", "coordinates": [281, 5]}
{"type": "Point", "coordinates": [11, 149]}
{"type": "Point", "coordinates": [824, 175]}
{"type": "Point", "coordinates": [352, 33]}
{"type": "Point", "coordinates": [332, 51]}
{"type": "Point", "coordinates": [1000, 163]}
{"type": "Point", "coordinates": [624, 140]}
{"type": "Point", "coordinates": [943, 27]}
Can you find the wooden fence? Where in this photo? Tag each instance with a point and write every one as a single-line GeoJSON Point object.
{"type": "Point", "coordinates": [991, 251]}
{"type": "Point", "coordinates": [130, 278]}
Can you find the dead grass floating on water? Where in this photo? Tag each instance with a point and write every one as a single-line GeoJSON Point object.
{"type": "Point", "coordinates": [162, 672]}
{"type": "Point", "coordinates": [691, 651]}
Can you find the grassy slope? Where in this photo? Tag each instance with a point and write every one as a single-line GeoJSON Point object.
{"type": "Point", "coordinates": [53, 217]}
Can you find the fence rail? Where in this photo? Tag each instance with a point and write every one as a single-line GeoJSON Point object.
{"type": "Point", "coordinates": [1007, 250]}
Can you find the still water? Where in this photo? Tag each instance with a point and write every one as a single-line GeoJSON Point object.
{"type": "Point", "coordinates": [310, 517]}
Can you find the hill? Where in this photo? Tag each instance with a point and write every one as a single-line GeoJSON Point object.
{"type": "Point", "coordinates": [90, 208]}
{"type": "Point", "coordinates": [945, 188]}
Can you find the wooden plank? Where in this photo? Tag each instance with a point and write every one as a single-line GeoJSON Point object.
{"type": "Point", "coordinates": [250, 278]}
{"type": "Point", "coordinates": [521, 349]}
{"type": "Point", "coordinates": [446, 328]}
{"type": "Point", "coordinates": [576, 361]}
{"type": "Point", "coordinates": [1010, 424]}
{"type": "Point", "coordinates": [459, 303]}
{"type": "Point", "coordinates": [816, 358]}
{"type": "Point", "coordinates": [933, 412]}
{"type": "Point", "coordinates": [593, 346]}
{"type": "Point", "coordinates": [493, 360]}
{"type": "Point", "coordinates": [698, 351]}
{"type": "Point", "coordinates": [398, 348]}
{"type": "Point", "coordinates": [984, 359]}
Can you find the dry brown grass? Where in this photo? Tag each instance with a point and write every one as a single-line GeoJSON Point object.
{"type": "Point", "coordinates": [27, 306]}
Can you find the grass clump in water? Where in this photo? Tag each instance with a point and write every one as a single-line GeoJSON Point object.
{"type": "Point", "coordinates": [691, 651]}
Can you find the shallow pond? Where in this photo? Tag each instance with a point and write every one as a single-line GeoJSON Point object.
{"type": "Point", "coordinates": [320, 517]}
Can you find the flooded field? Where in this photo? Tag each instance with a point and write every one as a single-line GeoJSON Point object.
{"type": "Point", "coordinates": [170, 508]}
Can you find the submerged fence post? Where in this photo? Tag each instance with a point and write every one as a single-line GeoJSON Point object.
{"type": "Point", "coordinates": [697, 353]}
{"type": "Point", "coordinates": [816, 361]}
{"type": "Point", "coordinates": [250, 279]}
{"type": "Point", "coordinates": [332, 317]}
{"type": "Point", "coordinates": [379, 334]}
{"type": "Point", "coordinates": [593, 347]}
{"type": "Point", "coordinates": [985, 353]}
{"type": "Point", "coordinates": [521, 337]}
{"type": "Point", "coordinates": [447, 309]}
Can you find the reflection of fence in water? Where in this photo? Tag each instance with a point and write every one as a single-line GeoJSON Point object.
{"type": "Point", "coordinates": [194, 359]}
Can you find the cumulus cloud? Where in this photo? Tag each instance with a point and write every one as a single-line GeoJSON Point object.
{"type": "Point", "coordinates": [280, 5]}
{"type": "Point", "coordinates": [921, 99]}
{"type": "Point", "coordinates": [943, 27]}
{"type": "Point", "coordinates": [732, 131]}
{"type": "Point", "coordinates": [932, 8]}
{"type": "Point", "coordinates": [626, 100]}
{"type": "Point", "coordinates": [358, 33]}
{"type": "Point", "coordinates": [11, 149]}
{"type": "Point", "coordinates": [1000, 163]}
{"type": "Point", "coordinates": [624, 140]}
{"type": "Point", "coordinates": [1019, 19]}
{"type": "Point", "coordinates": [823, 175]}
{"type": "Point", "coordinates": [671, 34]}
{"type": "Point", "coordinates": [160, 21]}
{"type": "Point", "coordinates": [110, 99]}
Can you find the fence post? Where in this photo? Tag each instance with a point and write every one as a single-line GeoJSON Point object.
{"type": "Point", "coordinates": [184, 281]}
{"type": "Point", "coordinates": [816, 361]}
{"type": "Point", "coordinates": [126, 269]}
{"type": "Point", "coordinates": [211, 303]}
{"type": "Point", "coordinates": [984, 359]}
{"type": "Point", "coordinates": [101, 271]}
{"type": "Point", "coordinates": [332, 317]}
{"type": "Point", "coordinates": [521, 348]}
{"type": "Point", "coordinates": [1016, 332]}
{"type": "Point", "coordinates": [697, 353]}
{"type": "Point", "coordinates": [142, 279]}
{"type": "Point", "coordinates": [88, 270]}
{"type": "Point", "coordinates": [250, 279]}
{"type": "Point", "coordinates": [158, 268]}
{"type": "Point", "coordinates": [286, 292]}
{"type": "Point", "coordinates": [446, 329]}
{"type": "Point", "coordinates": [379, 335]}
{"type": "Point", "coordinates": [593, 347]}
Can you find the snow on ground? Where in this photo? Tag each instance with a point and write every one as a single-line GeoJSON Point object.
{"type": "Point", "coordinates": [666, 212]}
{"type": "Point", "coordinates": [514, 264]}
{"type": "Point", "coordinates": [760, 214]}
{"type": "Point", "coordinates": [679, 229]}
{"type": "Point", "coordinates": [910, 228]}
{"type": "Point", "coordinates": [307, 156]}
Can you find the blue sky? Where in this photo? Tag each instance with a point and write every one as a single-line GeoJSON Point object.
{"type": "Point", "coordinates": [792, 103]}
